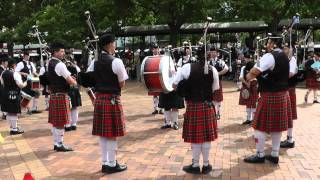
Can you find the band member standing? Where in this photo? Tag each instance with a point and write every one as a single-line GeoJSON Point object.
{"type": "Point", "coordinates": [222, 69]}
{"type": "Point", "coordinates": [273, 111]}
{"type": "Point", "coordinates": [27, 68]}
{"type": "Point", "coordinates": [186, 58]}
{"type": "Point", "coordinates": [75, 97]}
{"type": "Point", "coordinates": [251, 87]}
{"type": "Point", "coordinates": [11, 97]}
{"type": "Point", "coordinates": [3, 66]}
{"type": "Point", "coordinates": [200, 125]}
{"type": "Point", "coordinates": [45, 91]}
{"type": "Point", "coordinates": [108, 119]}
{"type": "Point", "coordinates": [311, 80]}
{"type": "Point", "coordinates": [157, 110]}
{"type": "Point", "coordinates": [171, 103]}
{"type": "Point", "coordinates": [60, 80]}
{"type": "Point", "coordinates": [289, 143]}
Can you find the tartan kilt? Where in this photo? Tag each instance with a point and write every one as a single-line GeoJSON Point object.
{"type": "Point", "coordinates": [200, 124]}
{"type": "Point", "coordinates": [293, 99]}
{"type": "Point", "coordinates": [254, 95]}
{"type": "Point", "coordinates": [75, 97]}
{"type": "Point", "coordinates": [217, 94]}
{"type": "Point", "coordinates": [153, 93]}
{"type": "Point", "coordinates": [312, 83]}
{"type": "Point", "coordinates": [241, 100]}
{"type": "Point", "coordinates": [59, 110]}
{"type": "Point", "coordinates": [273, 112]}
{"type": "Point", "coordinates": [108, 118]}
{"type": "Point", "coordinates": [170, 100]}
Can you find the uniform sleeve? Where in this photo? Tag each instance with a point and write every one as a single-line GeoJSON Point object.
{"type": "Point", "coordinates": [91, 66]}
{"type": "Point", "coordinates": [119, 69]}
{"type": "Point", "coordinates": [61, 70]}
{"type": "Point", "coordinates": [242, 72]}
{"type": "Point", "coordinates": [42, 71]}
{"type": "Point", "coordinates": [182, 73]}
{"type": "Point", "coordinates": [265, 63]}
{"type": "Point", "coordinates": [293, 65]}
{"type": "Point", "coordinates": [215, 84]}
{"type": "Point", "coordinates": [17, 78]}
{"type": "Point", "coordinates": [19, 67]}
{"type": "Point", "coordinates": [34, 70]}
{"type": "Point", "coordinates": [224, 65]}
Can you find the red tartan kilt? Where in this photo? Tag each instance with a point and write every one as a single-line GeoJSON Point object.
{"type": "Point", "coordinates": [241, 100]}
{"type": "Point", "coordinates": [153, 93]}
{"type": "Point", "coordinates": [200, 124]}
{"type": "Point", "coordinates": [59, 110]}
{"type": "Point", "coordinates": [293, 98]}
{"type": "Point", "coordinates": [312, 83]}
{"type": "Point", "coordinates": [217, 94]}
{"type": "Point", "coordinates": [273, 112]}
{"type": "Point", "coordinates": [254, 95]}
{"type": "Point", "coordinates": [108, 119]}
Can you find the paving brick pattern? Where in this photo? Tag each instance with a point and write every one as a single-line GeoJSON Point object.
{"type": "Point", "coordinates": [151, 153]}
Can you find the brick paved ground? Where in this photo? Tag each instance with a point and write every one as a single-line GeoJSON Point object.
{"type": "Point", "coordinates": [151, 153]}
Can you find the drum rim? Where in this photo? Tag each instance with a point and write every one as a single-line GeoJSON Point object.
{"type": "Point", "coordinates": [160, 72]}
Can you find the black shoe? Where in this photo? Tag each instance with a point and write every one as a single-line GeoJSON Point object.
{"type": "Point", "coordinates": [18, 131]}
{"type": "Point", "coordinates": [254, 159]}
{"type": "Point", "coordinates": [287, 144]}
{"type": "Point", "coordinates": [247, 122]}
{"type": "Point", "coordinates": [305, 100]}
{"type": "Point", "coordinates": [117, 168]}
{"type": "Point", "coordinates": [36, 112]}
{"type": "Point", "coordinates": [155, 112]}
{"type": "Point", "coordinates": [166, 126]}
{"type": "Point", "coordinates": [274, 160]}
{"type": "Point", "coordinates": [73, 128]}
{"type": "Point", "coordinates": [191, 169]}
{"type": "Point", "coordinates": [55, 147]}
{"type": "Point", "coordinates": [206, 169]}
{"type": "Point", "coordinates": [160, 111]}
{"type": "Point", "coordinates": [316, 101]}
{"type": "Point", "coordinates": [29, 112]}
{"type": "Point", "coordinates": [68, 128]}
{"type": "Point", "coordinates": [175, 126]}
{"type": "Point", "coordinates": [63, 148]}
{"type": "Point", "coordinates": [4, 117]}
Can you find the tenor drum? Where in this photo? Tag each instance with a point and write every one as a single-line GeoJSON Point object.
{"type": "Point", "coordinates": [157, 73]}
{"type": "Point", "coordinates": [25, 100]}
{"type": "Point", "coordinates": [35, 83]}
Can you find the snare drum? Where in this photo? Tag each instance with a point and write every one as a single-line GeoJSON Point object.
{"type": "Point", "coordinates": [25, 100]}
{"type": "Point", "coordinates": [156, 73]}
{"type": "Point", "coordinates": [35, 83]}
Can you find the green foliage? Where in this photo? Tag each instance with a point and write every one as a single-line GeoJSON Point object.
{"type": "Point", "coordinates": [64, 20]}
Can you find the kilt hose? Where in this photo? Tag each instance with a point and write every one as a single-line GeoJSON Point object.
{"type": "Point", "coordinates": [273, 112]}
{"type": "Point", "coordinates": [312, 83]}
{"type": "Point", "coordinates": [108, 117]}
{"type": "Point", "coordinates": [218, 94]}
{"type": "Point", "coordinates": [293, 99]}
{"type": "Point", "coordinates": [254, 95]}
{"type": "Point", "coordinates": [59, 110]}
{"type": "Point", "coordinates": [200, 124]}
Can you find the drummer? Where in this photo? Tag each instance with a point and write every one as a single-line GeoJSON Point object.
{"type": "Point", "coordinates": [12, 82]}
{"type": "Point", "coordinates": [157, 110]}
{"type": "Point", "coordinates": [27, 68]}
{"type": "Point", "coordinates": [171, 103]}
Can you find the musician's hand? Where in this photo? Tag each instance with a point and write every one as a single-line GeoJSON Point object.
{"type": "Point", "coordinates": [24, 74]}
{"type": "Point", "coordinates": [174, 86]}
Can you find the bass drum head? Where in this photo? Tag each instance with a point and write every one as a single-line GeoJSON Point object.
{"type": "Point", "coordinates": [167, 75]}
